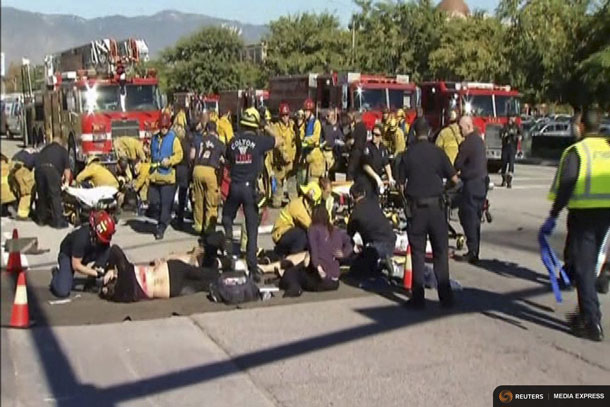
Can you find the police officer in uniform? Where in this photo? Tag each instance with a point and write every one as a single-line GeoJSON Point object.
{"type": "Point", "coordinates": [245, 154]}
{"type": "Point", "coordinates": [358, 142]}
{"type": "Point", "coordinates": [582, 183]}
{"type": "Point", "coordinates": [208, 158]}
{"type": "Point", "coordinates": [52, 168]}
{"type": "Point", "coordinates": [511, 134]}
{"type": "Point", "coordinates": [166, 153]}
{"type": "Point", "coordinates": [375, 161]}
{"type": "Point", "coordinates": [471, 162]}
{"type": "Point", "coordinates": [21, 179]}
{"type": "Point", "coordinates": [423, 167]}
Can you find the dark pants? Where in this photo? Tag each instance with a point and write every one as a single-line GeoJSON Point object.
{"type": "Point", "coordinates": [370, 185]}
{"type": "Point", "coordinates": [161, 200]}
{"type": "Point", "coordinates": [300, 278]}
{"type": "Point", "coordinates": [366, 264]}
{"type": "Point", "coordinates": [508, 158]}
{"type": "Point", "coordinates": [182, 182]}
{"type": "Point", "coordinates": [291, 242]}
{"type": "Point", "coordinates": [587, 231]}
{"type": "Point", "coordinates": [242, 194]}
{"type": "Point", "coordinates": [471, 210]}
{"type": "Point", "coordinates": [63, 280]}
{"type": "Point", "coordinates": [429, 220]}
{"type": "Point", "coordinates": [49, 209]}
{"type": "Point", "coordinates": [353, 165]}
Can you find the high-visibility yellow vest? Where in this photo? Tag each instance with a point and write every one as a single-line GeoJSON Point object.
{"type": "Point", "coordinates": [592, 189]}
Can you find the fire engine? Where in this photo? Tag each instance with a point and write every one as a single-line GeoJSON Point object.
{"type": "Point", "coordinates": [346, 91]}
{"type": "Point", "coordinates": [489, 104]}
{"type": "Point", "coordinates": [93, 95]}
{"type": "Point", "coordinates": [197, 102]}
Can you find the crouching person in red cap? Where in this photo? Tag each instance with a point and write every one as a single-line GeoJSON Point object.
{"type": "Point", "coordinates": [89, 243]}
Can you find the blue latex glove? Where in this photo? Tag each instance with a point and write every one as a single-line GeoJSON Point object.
{"type": "Point", "coordinates": [548, 226]}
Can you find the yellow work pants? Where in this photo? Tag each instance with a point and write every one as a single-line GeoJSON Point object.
{"type": "Point", "coordinates": [281, 175]}
{"type": "Point", "coordinates": [22, 183]}
{"type": "Point", "coordinates": [329, 157]}
{"type": "Point", "coordinates": [206, 193]}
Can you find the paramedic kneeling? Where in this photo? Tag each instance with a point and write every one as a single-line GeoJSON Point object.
{"type": "Point", "coordinates": [89, 243]}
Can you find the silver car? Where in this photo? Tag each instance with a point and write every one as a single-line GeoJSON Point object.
{"type": "Point", "coordinates": [553, 129]}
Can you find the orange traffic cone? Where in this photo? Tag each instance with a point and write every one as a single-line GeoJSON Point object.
{"type": "Point", "coordinates": [20, 318]}
{"type": "Point", "coordinates": [408, 270]}
{"type": "Point", "coordinates": [13, 265]}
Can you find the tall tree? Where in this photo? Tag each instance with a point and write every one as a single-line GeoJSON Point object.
{"type": "Point", "coordinates": [306, 43]}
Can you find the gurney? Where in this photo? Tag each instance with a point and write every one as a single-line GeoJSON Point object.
{"type": "Point", "coordinates": [79, 202]}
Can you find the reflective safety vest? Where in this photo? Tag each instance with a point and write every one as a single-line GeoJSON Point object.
{"type": "Point", "coordinates": [162, 147]}
{"type": "Point", "coordinates": [592, 189]}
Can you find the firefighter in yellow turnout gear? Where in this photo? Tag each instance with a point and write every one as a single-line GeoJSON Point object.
{"type": "Point", "coordinates": [21, 180]}
{"type": "Point", "coordinates": [311, 154]}
{"type": "Point", "coordinates": [130, 148]}
{"type": "Point", "coordinates": [450, 137]}
{"type": "Point", "coordinates": [7, 196]}
{"type": "Point", "coordinates": [282, 158]}
{"type": "Point", "coordinates": [394, 138]}
{"type": "Point", "coordinates": [208, 158]}
{"type": "Point", "coordinates": [96, 174]}
{"type": "Point", "coordinates": [290, 229]}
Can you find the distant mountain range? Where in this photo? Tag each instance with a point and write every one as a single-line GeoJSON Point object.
{"type": "Point", "coordinates": [34, 35]}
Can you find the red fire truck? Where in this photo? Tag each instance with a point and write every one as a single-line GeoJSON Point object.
{"type": "Point", "coordinates": [94, 95]}
{"type": "Point", "coordinates": [487, 103]}
{"type": "Point", "coordinates": [351, 90]}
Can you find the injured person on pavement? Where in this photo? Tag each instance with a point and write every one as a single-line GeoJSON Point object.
{"type": "Point", "coordinates": [173, 276]}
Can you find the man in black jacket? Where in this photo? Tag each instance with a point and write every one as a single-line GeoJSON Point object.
{"type": "Point", "coordinates": [471, 162]}
{"type": "Point", "coordinates": [52, 169]}
{"type": "Point", "coordinates": [358, 140]}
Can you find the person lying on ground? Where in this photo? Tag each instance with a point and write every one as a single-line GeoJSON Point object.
{"type": "Point", "coordinates": [327, 245]}
{"type": "Point", "coordinates": [163, 278]}
{"type": "Point", "coordinates": [89, 243]}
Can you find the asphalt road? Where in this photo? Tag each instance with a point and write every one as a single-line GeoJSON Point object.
{"type": "Point", "coordinates": [349, 348]}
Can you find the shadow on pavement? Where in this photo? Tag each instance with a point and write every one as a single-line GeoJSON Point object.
{"type": "Point", "coordinates": [141, 226]}
{"type": "Point", "coordinates": [510, 269]}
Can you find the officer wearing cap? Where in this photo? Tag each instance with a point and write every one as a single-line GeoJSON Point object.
{"type": "Point", "coordinates": [166, 153]}
{"type": "Point", "coordinates": [208, 158]}
{"type": "Point", "coordinates": [375, 161]}
{"type": "Point", "coordinates": [290, 228]}
{"type": "Point", "coordinates": [96, 175]}
{"type": "Point", "coordinates": [582, 183]}
{"type": "Point", "coordinates": [245, 154]}
{"type": "Point", "coordinates": [422, 170]}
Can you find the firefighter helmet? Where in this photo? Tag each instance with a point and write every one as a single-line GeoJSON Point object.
{"type": "Point", "coordinates": [103, 225]}
{"type": "Point", "coordinates": [400, 113]}
{"type": "Point", "coordinates": [309, 105]}
{"type": "Point", "coordinates": [92, 159]}
{"type": "Point", "coordinates": [251, 118]}
{"type": "Point", "coordinates": [165, 122]}
{"type": "Point", "coordinates": [284, 109]}
{"type": "Point", "coordinates": [300, 113]}
{"type": "Point", "coordinates": [453, 115]}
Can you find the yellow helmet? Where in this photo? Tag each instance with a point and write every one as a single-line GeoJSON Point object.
{"type": "Point", "coordinates": [453, 115]}
{"type": "Point", "coordinates": [312, 191]}
{"type": "Point", "coordinates": [251, 118]}
{"type": "Point", "coordinates": [393, 124]}
{"type": "Point", "coordinates": [400, 113]}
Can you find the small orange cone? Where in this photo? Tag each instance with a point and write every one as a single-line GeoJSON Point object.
{"type": "Point", "coordinates": [20, 318]}
{"type": "Point", "coordinates": [408, 270]}
{"type": "Point", "coordinates": [13, 265]}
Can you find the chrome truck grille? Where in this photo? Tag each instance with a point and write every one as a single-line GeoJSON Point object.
{"type": "Point", "coordinates": [125, 128]}
{"type": "Point", "coordinates": [493, 141]}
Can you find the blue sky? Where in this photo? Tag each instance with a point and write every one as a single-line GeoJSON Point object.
{"type": "Point", "coordinates": [247, 11]}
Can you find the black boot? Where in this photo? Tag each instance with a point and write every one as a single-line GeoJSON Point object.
{"type": "Point", "coordinates": [503, 180]}
{"type": "Point", "coordinates": [509, 180]}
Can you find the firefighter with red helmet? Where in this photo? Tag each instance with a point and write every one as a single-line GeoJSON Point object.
{"type": "Point", "coordinates": [282, 157]}
{"type": "Point", "coordinates": [312, 158]}
{"type": "Point", "coordinates": [166, 153]}
{"type": "Point", "coordinates": [89, 244]}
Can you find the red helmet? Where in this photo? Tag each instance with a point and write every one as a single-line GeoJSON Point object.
{"type": "Point", "coordinates": [165, 122]}
{"type": "Point", "coordinates": [284, 109]}
{"type": "Point", "coordinates": [309, 105]}
{"type": "Point", "coordinates": [103, 225]}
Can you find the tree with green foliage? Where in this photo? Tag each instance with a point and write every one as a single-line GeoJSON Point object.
{"type": "Point", "coordinates": [207, 62]}
{"type": "Point", "coordinates": [306, 43]}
